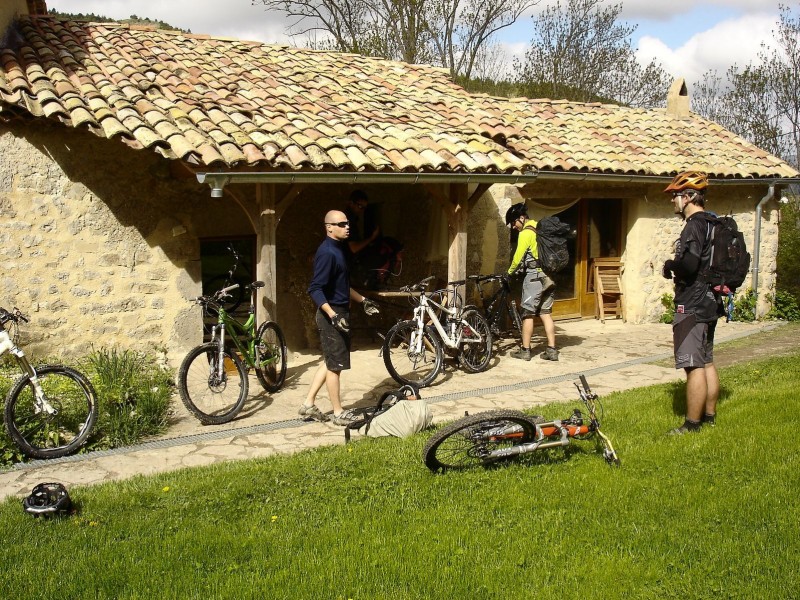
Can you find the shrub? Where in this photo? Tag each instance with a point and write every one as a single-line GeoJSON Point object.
{"type": "Point", "coordinates": [788, 259]}
{"type": "Point", "coordinates": [744, 307]}
{"type": "Point", "coordinates": [133, 394]}
{"type": "Point", "coordinates": [784, 307]}
{"type": "Point", "coordinates": [133, 397]}
{"type": "Point", "coordinates": [668, 302]}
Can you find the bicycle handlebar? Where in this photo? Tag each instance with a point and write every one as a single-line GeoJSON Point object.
{"type": "Point", "coordinates": [15, 315]}
{"type": "Point", "coordinates": [482, 278]}
{"type": "Point", "coordinates": [421, 285]}
{"type": "Point", "coordinates": [224, 291]}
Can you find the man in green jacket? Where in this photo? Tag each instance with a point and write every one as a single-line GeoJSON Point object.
{"type": "Point", "coordinates": [538, 290]}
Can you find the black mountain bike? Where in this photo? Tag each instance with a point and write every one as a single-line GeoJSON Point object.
{"type": "Point", "coordinates": [499, 305]}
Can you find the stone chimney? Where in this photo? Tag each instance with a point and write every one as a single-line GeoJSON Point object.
{"type": "Point", "coordinates": [678, 99]}
{"type": "Point", "coordinates": [37, 7]}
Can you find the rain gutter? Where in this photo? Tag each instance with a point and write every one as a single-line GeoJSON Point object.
{"type": "Point", "coordinates": [218, 181]}
{"type": "Point", "coordinates": [757, 243]}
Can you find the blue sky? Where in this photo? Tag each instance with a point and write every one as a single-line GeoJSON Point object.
{"type": "Point", "coordinates": [687, 37]}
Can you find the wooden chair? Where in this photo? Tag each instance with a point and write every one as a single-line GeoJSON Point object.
{"type": "Point", "coordinates": [608, 288]}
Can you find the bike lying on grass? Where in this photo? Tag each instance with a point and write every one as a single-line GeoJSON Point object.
{"type": "Point", "coordinates": [413, 349]}
{"type": "Point", "coordinates": [212, 380]}
{"type": "Point", "coordinates": [488, 437]}
{"type": "Point", "coordinates": [51, 409]}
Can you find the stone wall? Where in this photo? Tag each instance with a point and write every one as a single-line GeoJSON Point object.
{"type": "Point", "coordinates": [100, 243]}
{"type": "Point", "coordinates": [92, 243]}
{"type": "Point", "coordinates": [653, 229]}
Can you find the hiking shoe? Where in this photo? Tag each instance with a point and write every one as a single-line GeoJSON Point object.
{"type": "Point", "coordinates": [710, 420]}
{"type": "Point", "coordinates": [685, 428]}
{"type": "Point", "coordinates": [344, 418]}
{"type": "Point", "coordinates": [521, 353]}
{"type": "Point", "coordinates": [312, 413]}
{"type": "Point", "coordinates": [549, 354]}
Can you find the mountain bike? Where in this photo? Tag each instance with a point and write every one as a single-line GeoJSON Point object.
{"type": "Point", "coordinates": [51, 409]}
{"type": "Point", "coordinates": [488, 437]}
{"type": "Point", "coordinates": [213, 379]}
{"type": "Point", "coordinates": [496, 306]}
{"type": "Point", "coordinates": [413, 350]}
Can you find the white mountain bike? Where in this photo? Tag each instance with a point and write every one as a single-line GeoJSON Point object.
{"type": "Point", "coordinates": [51, 409]}
{"type": "Point", "coordinates": [413, 350]}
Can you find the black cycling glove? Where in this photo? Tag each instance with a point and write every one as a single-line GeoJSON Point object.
{"type": "Point", "coordinates": [341, 323]}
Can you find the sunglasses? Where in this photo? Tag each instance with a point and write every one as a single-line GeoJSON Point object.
{"type": "Point", "coordinates": [679, 194]}
{"type": "Point", "coordinates": [340, 224]}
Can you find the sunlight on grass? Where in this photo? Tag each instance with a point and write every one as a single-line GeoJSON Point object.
{"type": "Point", "coordinates": [701, 516]}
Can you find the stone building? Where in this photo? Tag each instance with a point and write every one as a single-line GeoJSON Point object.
{"type": "Point", "coordinates": [130, 157]}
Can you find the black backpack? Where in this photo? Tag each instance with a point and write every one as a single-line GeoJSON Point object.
{"type": "Point", "coordinates": [386, 401]}
{"type": "Point", "coordinates": [551, 241]}
{"type": "Point", "coordinates": [730, 260]}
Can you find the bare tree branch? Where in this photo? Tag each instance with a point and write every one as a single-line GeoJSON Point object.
{"type": "Point", "coordinates": [447, 33]}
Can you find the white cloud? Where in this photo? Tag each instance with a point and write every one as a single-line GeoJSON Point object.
{"type": "Point", "coordinates": [664, 10]}
{"type": "Point", "coordinates": [736, 41]}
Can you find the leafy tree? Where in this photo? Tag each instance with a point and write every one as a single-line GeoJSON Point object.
{"type": "Point", "coordinates": [455, 34]}
{"type": "Point", "coordinates": [580, 52]}
{"type": "Point", "coordinates": [133, 20]}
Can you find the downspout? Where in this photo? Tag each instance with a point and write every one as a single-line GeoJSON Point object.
{"type": "Point", "coordinates": [757, 244]}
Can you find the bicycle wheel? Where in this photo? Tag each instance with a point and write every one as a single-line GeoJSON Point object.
{"type": "Point", "coordinates": [475, 351]}
{"type": "Point", "coordinates": [405, 365]}
{"type": "Point", "coordinates": [40, 432]}
{"type": "Point", "coordinates": [212, 398]}
{"type": "Point", "coordinates": [470, 441]}
{"type": "Point", "coordinates": [270, 356]}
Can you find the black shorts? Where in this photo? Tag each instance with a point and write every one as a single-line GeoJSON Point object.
{"type": "Point", "coordinates": [693, 341]}
{"type": "Point", "coordinates": [335, 344]}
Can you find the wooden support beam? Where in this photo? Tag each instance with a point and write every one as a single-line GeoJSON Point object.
{"type": "Point", "coordinates": [266, 266]}
{"type": "Point", "coordinates": [457, 232]}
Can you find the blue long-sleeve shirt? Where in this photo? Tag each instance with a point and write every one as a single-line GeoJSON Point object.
{"type": "Point", "coordinates": [331, 280]}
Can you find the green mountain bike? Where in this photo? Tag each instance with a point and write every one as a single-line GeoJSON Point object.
{"type": "Point", "coordinates": [213, 378]}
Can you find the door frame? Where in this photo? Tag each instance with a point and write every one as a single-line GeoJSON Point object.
{"type": "Point", "coordinates": [582, 304]}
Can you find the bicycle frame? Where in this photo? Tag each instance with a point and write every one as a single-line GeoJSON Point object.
{"type": "Point", "coordinates": [557, 433]}
{"type": "Point", "coordinates": [240, 330]}
{"type": "Point", "coordinates": [452, 339]}
{"type": "Point", "coordinates": [493, 307]}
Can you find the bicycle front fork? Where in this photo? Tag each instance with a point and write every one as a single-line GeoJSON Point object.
{"type": "Point", "coordinates": [218, 336]}
{"type": "Point", "coordinates": [41, 404]}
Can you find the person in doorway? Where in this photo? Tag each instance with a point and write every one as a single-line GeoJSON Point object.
{"type": "Point", "coordinates": [696, 306]}
{"type": "Point", "coordinates": [331, 292]}
{"type": "Point", "coordinates": [538, 290]}
{"type": "Point", "coordinates": [359, 238]}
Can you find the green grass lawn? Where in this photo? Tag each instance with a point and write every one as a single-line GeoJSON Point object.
{"type": "Point", "coordinates": [711, 515]}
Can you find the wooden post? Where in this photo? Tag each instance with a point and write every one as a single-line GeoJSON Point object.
{"type": "Point", "coordinates": [266, 269]}
{"type": "Point", "coordinates": [457, 233]}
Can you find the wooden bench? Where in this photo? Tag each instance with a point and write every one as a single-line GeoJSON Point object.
{"type": "Point", "coordinates": [608, 288]}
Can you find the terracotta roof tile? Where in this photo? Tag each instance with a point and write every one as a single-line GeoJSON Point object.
{"type": "Point", "coordinates": [229, 102]}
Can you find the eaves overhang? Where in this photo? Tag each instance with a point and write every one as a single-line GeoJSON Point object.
{"type": "Point", "coordinates": [218, 180]}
